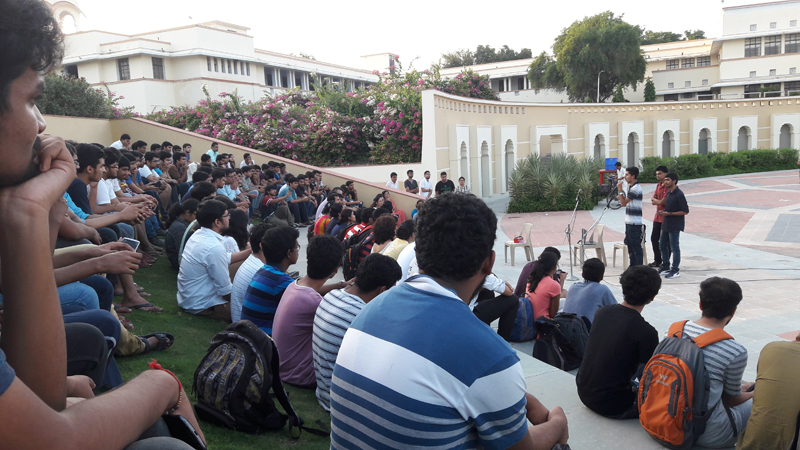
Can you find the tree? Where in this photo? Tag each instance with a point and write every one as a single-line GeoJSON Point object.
{"type": "Point", "coordinates": [65, 95]}
{"type": "Point", "coordinates": [694, 34]}
{"type": "Point", "coordinates": [599, 43]}
{"type": "Point", "coordinates": [484, 54]}
{"type": "Point", "coordinates": [458, 58]}
{"type": "Point", "coordinates": [649, 91]}
{"type": "Point", "coordinates": [619, 97]}
{"type": "Point", "coordinates": [659, 37]}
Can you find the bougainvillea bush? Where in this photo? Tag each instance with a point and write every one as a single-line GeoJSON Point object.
{"type": "Point", "coordinates": [330, 126]}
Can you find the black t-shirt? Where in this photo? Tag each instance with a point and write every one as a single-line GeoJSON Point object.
{"type": "Point", "coordinates": [412, 184]}
{"type": "Point", "coordinates": [619, 341]}
{"type": "Point", "coordinates": [441, 188]}
{"type": "Point", "coordinates": [77, 191]}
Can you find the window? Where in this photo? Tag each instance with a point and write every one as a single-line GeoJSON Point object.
{"type": "Point", "coordinates": [753, 27]}
{"type": "Point", "coordinates": [792, 44]}
{"type": "Point", "coordinates": [222, 63]}
{"type": "Point", "coordinates": [792, 87]}
{"type": "Point", "coordinates": [671, 97]}
{"type": "Point", "coordinates": [501, 84]}
{"type": "Point", "coordinates": [772, 45]}
{"type": "Point", "coordinates": [124, 69]}
{"type": "Point", "coordinates": [298, 79]}
{"type": "Point", "coordinates": [284, 79]}
{"type": "Point", "coordinates": [673, 64]}
{"type": "Point", "coordinates": [158, 68]}
{"type": "Point", "coordinates": [752, 74]}
{"type": "Point", "coordinates": [216, 65]}
{"type": "Point", "coordinates": [752, 90]}
{"type": "Point", "coordinates": [752, 47]}
{"type": "Point", "coordinates": [792, 23]}
{"type": "Point", "coordinates": [687, 84]}
{"type": "Point", "coordinates": [241, 67]}
{"type": "Point", "coordinates": [521, 83]}
{"type": "Point", "coordinates": [703, 61]}
{"type": "Point", "coordinates": [248, 68]}
{"type": "Point", "coordinates": [792, 70]}
{"type": "Point", "coordinates": [229, 66]}
{"type": "Point", "coordinates": [705, 83]}
{"type": "Point", "coordinates": [687, 62]}
{"type": "Point", "coordinates": [72, 70]}
{"type": "Point", "coordinates": [772, 72]}
{"type": "Point", "coordinates": [208, 62]}
{"type": "Point", "coordinates": [268, 76]}
{"type": "Point", "coordinates": [670, 85]}
{"type": "Point", "coordinates": [687, 95]}
{"type": "Point", "coordinates": [773, 25]}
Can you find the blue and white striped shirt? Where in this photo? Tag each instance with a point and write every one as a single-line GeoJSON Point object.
{"type": "Point", "coordinates": [417, 369]}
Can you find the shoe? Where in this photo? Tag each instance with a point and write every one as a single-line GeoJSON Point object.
{"type": "Point", "coordinates": [654, 265]}
{"type": "Point", "coordinates": [673, 274]}
{"type": "Point", "coordinates": [664, 272]}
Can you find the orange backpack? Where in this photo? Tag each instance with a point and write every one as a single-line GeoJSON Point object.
{"type": "Point", "coordinates": [674, 388]}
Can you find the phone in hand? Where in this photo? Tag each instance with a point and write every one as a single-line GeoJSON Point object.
{"type": "Point", "coordinates": [133, 243]}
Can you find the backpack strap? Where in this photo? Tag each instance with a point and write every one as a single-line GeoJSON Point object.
{"type": "Point", "coordinates": [712, 336]}
{"type": "Point", "coordinates": [676, 329]}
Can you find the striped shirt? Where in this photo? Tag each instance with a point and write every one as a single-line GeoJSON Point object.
{"type": "Point", "coordinates": [334, 316]}
{"type": "Point", "coordinates": [633, 211]}
{"type": "Point", "coordinates": [240, 284]}
{"type": "Point", "coordinates": [417, 369]}
{"type": "Point", "coordinates": [263, 295]}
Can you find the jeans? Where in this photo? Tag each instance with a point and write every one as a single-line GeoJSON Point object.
{"type": "Point", "coordinates": [670, 245]}
{"type": "Point", "coordinates": [633, 239]}
{"type": "Point", "coordinates": [151, 226]}
{"type": "Point", "coordinates": [75, 297]}
{"type": "Point", "coordinates": [103, 288]}
{"type": "Point", "coordinates": [655, 238]}
{"type": "Point", "coordinates": [299, 212]}
{"type": "Point", "coordinates": [253, 203]}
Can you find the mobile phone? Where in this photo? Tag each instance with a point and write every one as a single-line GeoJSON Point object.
{"type": "Point", "coordinates": [134, 244]}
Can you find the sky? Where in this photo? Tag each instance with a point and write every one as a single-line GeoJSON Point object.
{"type": "Point", "coordinates": [341, 32]}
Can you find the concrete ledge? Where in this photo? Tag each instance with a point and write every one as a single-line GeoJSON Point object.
{"type": "Point", "coordinates": [587, 430]}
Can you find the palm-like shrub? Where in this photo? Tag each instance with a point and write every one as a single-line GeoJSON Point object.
{"type": "Point", "coordinates": [538, 186]}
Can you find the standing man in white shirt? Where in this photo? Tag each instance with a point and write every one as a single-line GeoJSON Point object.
{"type": "Point", "coordinates": [204, 283]}
{"type": "Point", "coordinates": [425, 186]}
{"type": "Point", "coordinates": [393, 182]}
{"type": "Point", "coordinates": [123, 143]}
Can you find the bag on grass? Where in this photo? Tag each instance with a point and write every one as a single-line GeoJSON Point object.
{"type": "Point", "coordinates": [561, 341]}
{"type": "Point", "coordinates": [524, 329]}
{"type": "Point", "coordinates": [234, 380]}
{"type": "Point", "coordinates": [674, 388]}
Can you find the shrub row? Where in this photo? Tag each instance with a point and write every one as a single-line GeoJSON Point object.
{"type": "Point", "coordinates": [716, 164]}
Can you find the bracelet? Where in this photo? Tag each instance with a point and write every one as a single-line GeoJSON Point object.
{"type": "Point", "coordinates": [154, 365]}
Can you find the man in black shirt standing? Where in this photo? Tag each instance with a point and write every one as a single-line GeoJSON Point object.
{"type": "Point", "coordinates": [676, 208]}
{"type": "Point", "coordinates": [444, 186]}
{"type": "Point", "coordinates": [619, 345]}
{"type": "Point", "coordinates": [411, 184]}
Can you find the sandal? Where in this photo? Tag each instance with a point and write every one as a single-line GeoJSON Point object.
{"type": "Point", "coordinates": [145, 265]}
{"type": "Point", "coordinates": [165, 341]}
{"type": "Point", "coordinates": [141, 307]}
{"type": "Point", "coordinates": [119, 309]}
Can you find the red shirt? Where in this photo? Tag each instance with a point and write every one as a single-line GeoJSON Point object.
{"type": "Point", "coordinates": [660, 194]}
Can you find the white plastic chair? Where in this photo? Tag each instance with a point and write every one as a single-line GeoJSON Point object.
{"type": "Point", "coordinates": [526, 245]}
{"type": "Point", "coordinates": [624, 248]}
{"type": "Point", "coordinates": [595, 241]}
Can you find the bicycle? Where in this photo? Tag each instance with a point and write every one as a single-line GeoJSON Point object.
{"type": "Point", "coordinates": [612, 199]}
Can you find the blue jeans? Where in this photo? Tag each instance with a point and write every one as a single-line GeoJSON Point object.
{"type": "Point", "coordinates": [75, 297]}
{"type": "Point", "coordinates": [151, 226]}
{"type": "Point", "coordinates": [633, 239]}
{"type": "Point", "coordinates": [670, 245]}
{"type": "Point", "coordinates": [103, 288]}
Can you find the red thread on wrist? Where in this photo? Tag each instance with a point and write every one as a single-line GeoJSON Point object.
{"type": "Point", "coordinates": [154, 365]}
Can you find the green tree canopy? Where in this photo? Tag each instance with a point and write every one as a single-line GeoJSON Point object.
{"type": "Point", "coordinates": [484, 54]}
{"type": "Point", "coordinates": [691, 35]}
{"type": "Point", "coordinates": [649, 90]}
{"type": "Point", "coordinates": [660, 37]}
{"type": "Point", "coordinates": [602, 42]}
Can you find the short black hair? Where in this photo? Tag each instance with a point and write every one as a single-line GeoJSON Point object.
{"type": "Point", "coordinates": [246, 155]}
{"type": "Point", "coordinates": [672, 176]}
{"type": "Point", "coordinates": [618, 164]}
{"type": "Point", "coordinates": [552, 250]}
{"type": "Point", "coordinates": [462, 178]}
{"type": "Point", "coordinates": [124, 162]}
{"type": "Point", "coordinates": [210, 211]}
{"type": "Point", "coordinates": [178, 155]}
{"type": "Point", "coordinates": [202, 190]}
{"type": "Point", "coordinates": [443, 173]}
{"type": "Point", "coordinates": [405, 230]}
{"type": "Point", "coordinates": [205, 157]}
{"type": "Point", "coordinates": [345, 215]}
{"type": "Point", "coordinates": [277, 243]}
{"type": "Point", "coordinates": [348, 183]}
{"type": "Point", "coordinates": [633, 170]}
{"type": "Point", "coordinates": [149, 156]}
{"type": "Point", "coordinates": [124, 136]}
{"type": "Point", "coordinates": [257, 234]}
{"type": "Point", "coordinates": [324, 253]}
{"type": "Point", "coordinates": [593, 270]}
{"type": "Point", "coordinates": [88, 156]}
{"type": "Point", "coordinates": [393, 174]}
{"type": "Point", "coordinates": [221, 156]}
{"type": "Point", "coordinates": [199, 176]}
{"type": "Point", "coordinates": [216, 174]}
{"type": "Point", "coordinates": [155, 147]}
{"type": "Point", "coordinates": [138, 144]}
{"type": "Point", "coordinates": [719, 297]}
{"type": "Point", "coordinates": [110, 156]}
{"type": "Point", "coordinates": [640, 284]}
{"type": "Point", "coordinates": [366, 214]}
{"type": "Point", "coordinates": [455, 235]}
{"type": "Point", "coordinates": [378, 212]}
{"type": "Point", "coordinates": [228, 202]}
{"type": "Point", "coordinates": [187, 145]}
{"type": "Point", "coordinates": [409, 171]}
{"type": "Point", "coordinates": [31, 39]}
{"type": "Point", "coordinates": [290, 179]}
{"type": "Point", "coordinates": [384, 229]}
{"type": "Point", "coordinates": [206, 169]}
{"type": "Point", "coordinates": [662, 169]}
{"type": "Point", "coordinates": [214, 143]}
{"type": "Point", "coordinates": [336, 209]}
{"type": "Point", "coordinates": [377, 271]}
{"type": "Point", "coordinates": [164, 155]}
{"type": "Point", "coordinates": [166, 143]}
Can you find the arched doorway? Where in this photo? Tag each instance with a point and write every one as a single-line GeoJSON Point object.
{"type": "Point", "coordinates": [463, 162]}
{"type": "Point", "coordinates": [743, 139]}
{"type": "Point", "coordinates": [667, 142]}
{"type": "Point", "coordinates": [633, 150]}
{"type": "Point", "coordinates": [786, 136]}
{"type": "Point", "coordinates": [486, 173]}
{"type": "Point", "coordinates": [703, 141]}
{"type": "Point", "coordinates": [510, 161]}
{"type": "Point", "coordinates": [599, 147]}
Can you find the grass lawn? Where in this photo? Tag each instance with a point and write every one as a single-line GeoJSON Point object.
{"type": "Point", "coordinates": [192, 338]}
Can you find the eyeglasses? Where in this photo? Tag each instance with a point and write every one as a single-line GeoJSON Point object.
{"type": "Point", "coordinates": [225, 216]}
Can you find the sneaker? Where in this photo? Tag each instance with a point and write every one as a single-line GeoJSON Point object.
{"type": "Point", "coordinates": [673, 274]}
{"type": "Point", "coordinates": [664, 272]}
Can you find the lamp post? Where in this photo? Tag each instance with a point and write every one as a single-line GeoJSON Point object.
{"type": "Point", "coordinates": [598, 85]}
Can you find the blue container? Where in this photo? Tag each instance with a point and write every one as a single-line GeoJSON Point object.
{"type": "Point", "coordinates": [611, 163]}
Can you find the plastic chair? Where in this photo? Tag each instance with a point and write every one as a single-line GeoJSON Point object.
{"type": "Point", "coordinates": [624, 248]}
{"type": "Point", "coordinates": [595, 241]}
{"type": "Point", "coordinates": [526, 245]}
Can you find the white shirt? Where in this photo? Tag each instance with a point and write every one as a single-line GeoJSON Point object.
{"type": "Point", "coordinates": [406, 259]}
{"type": "Point", "coordinates": [191, 170]}
{"type": "Point", "coordinates": [395, 185]}
{"type": "Point", "coordinates": [145, 172]}
{"type": "Point", "coordinates": [492, 283]}
{"type": "Point", "coordinates": [243, 163]}
{"type": "Point", "coordinates": [203, 277]}
{"type": "Point", "coordinates": [115, 185]}
{"type": "Point", "coordinates": [105, 192]}
{"type": "Point", "coordinates": [118, 145]}
{"type": "Point", "coordinates": [240, 283]}
{"type": "Point", "coordinates": [425, 184]}
{"type": "Point", "coordinates": [320, 207]}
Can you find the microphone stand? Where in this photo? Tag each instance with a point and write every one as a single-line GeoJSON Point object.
{"type": "Point", "coordinates": [591, 228]}
{"type": "Point", "coordinates": [568, 236]}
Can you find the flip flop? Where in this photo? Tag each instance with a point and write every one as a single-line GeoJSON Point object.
{"type": "Point", "coordinates": [165, 341]}
{"type": "Point", "coordinates": [142, 306]}
{"type": "Point", "coordinates": [119, 309]}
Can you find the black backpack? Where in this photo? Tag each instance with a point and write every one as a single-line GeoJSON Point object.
{"type": "Point", "coordinates": [353, 257]}
{"type": "Point", "coordinates": [561, 341]}
{"type": "Point", "coordinates": [234, 379]}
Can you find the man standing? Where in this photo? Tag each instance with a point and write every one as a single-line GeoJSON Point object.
{"type": "Point", "coordinates": [424, 329]}
{"type": "Point", "coordinates": [411, 184]}
{"type": "Point", "coordinates": [213, 152]}
{"type": "Point", "coordinates": [393, 182]}
{"type": "Point", "coordinates": [659, 199]}
{"type": "Point", "coordinates": [675, 208]}
{"type": "Point", "coordinates": [425, 186]}
{"type": "Point", "coordinates": [445, 185]}
{"type": "Point", "coordinates": [632, 201]}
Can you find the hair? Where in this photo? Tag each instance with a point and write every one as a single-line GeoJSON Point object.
{"type": "Point", "coordinates": [228, 202]}
{"type": "Point", "coordinates": [593, 270]}
{"type": "Point", "coordinates": [257, 234]}
{"type": "Point", "coordinates": [617, 164]}
{"type": "Point", "coordinates": [455, 235]}
{"type": "Point", "coordinates": [405, 230]}
{"type": "Point", "coordinates": [348, 183]}
{"type": "Point", "coordinates": [384, 229]}
{"type": "Point", "coordinates": [216, 174]}
{"type": "Point", "coordinates": [336, 210]}
{"type": "Point", "coordinates": [166, 143]}
{"type": "Point", "coordinates": [375, 200]}
{"type": "Point", "coordinates": [205, 157]}
{"type": "Point", "coordinates": [409, 171]}
{"type": "Point", "coordinates": [209, 212]}
{"type": "Point", "coordinates": [719, 297]}
{"type": "Point", "coordinates": [662, 169]}
{"type": "Point", "coordinates": [246, 155]}
{"type": "Point", "coordinates": [88, 156]}
{"type": "Point", "coordinates": [221, 156]}
{"type": "Point", "coordinates": [290, 179]}
{"type": "Point", "coordinates": [237, 227]}
{"type": "Point", "coordinates": [31, 39]}
{"type": "Point", "coordinates": [633, 170]}
{"type": "Point", "coordinates": [301, 177]}
{"type": "Point", "coordinates": [214, 143]}
{"type": "Point", "coordinates": [187, 145]}
{"type": "Point", "coordinates": [393, 174]}
{"type": "Point", "coordinates": [269, 174]}
{"type": "Point", "coordinates": [552, 250]}
{"type": "Point", "coordinates": [324, 253]}
{"type": "Point", "coordinates": [110, 157]}
{"type": "Point", "coordinates": [271, 187]}
{"type": "Point", "coordinates": [366, 214]}
{"type": "Point", "coordinates": [205, 169]}
{"type": "Point", "coordinates": [124, 162]}
{"type": "Point", "coordinates": [345, 215]}
{"type": "Point", "coordinates": [247, 168]}
{"type": "Point", "coordinates": [155, 147]}
{"type": "Point", "coordinates": [149, 156]}
{"type": "Point", "coordinates": [443, 173]}
{"type": "Point", "coordinates": [547, 261]}
{"type": "Point", "coordinates": [640, 284]}
{"type": "Point", "coordinates": [178, 155]}
{"type": "Point", "coordinates": [378, 213]}
{"type": "Point", "coordinates": [326, 210]}
{"type": "Point", "coordinates": [357, 214]}
{"type": "Point", "coordinates": [202, 190]}
{"type": "Point", "coordinates": [672, 176]}
{"type": "Point", "coordinates": [377, 271]}
{"type": "Point", "coordinates": [164, 155]}
{"type": "Point", "coordinates": [462, 178]}
{"type": "Point", "coordinates": [178, 209]}
{"type": "Point", "coordinates": [427, 171]}
{"type": "Point", "coordinates": [199, 176]}
{"type": "Point", "coordinates": [137, 145]}
{"type": "Point", "coordinates": [277, 243]}
{"type": "Point", "coordinates": [136, 154]}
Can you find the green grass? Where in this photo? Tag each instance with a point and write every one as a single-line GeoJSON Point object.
{"type": "Point", "coordinates": [192, 337]}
